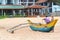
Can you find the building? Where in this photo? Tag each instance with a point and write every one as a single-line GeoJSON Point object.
{"type": "Point", "coordinates": [55, 7]}
{"type": "Point", "coordinates": [20, 7]}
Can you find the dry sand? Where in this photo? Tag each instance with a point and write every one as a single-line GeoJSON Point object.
{"type": "Point", "coordinates": [26, 33]}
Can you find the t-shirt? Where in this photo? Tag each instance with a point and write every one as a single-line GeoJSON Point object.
{"type": "Point", "coordinates": [47, 19]}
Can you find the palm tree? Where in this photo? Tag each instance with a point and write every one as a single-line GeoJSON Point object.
{"type": "Point", "coordinates": [58, 2]}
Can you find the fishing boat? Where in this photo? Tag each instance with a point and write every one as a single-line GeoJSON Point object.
{"type": "Point", "coordinates": [43, 27]}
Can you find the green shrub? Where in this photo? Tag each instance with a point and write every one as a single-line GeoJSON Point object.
{"type": "Point", "coordinates": [1, 17]}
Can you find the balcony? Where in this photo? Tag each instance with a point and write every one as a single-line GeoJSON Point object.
{"type": "Point", "coordinates": [12, 7]}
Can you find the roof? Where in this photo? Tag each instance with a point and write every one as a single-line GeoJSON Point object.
{"type": "Point", "coordinates": [12, 7]}
{"type": "Point", "coordinates": [41, 1]}
{"type": "Point", "coordinates": [36, 6]}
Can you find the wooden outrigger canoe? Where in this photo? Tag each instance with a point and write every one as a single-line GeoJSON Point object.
{"type": "Point", "coordinates": [43, 27]}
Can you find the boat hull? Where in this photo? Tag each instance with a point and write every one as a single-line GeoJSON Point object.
{"type": "Point", "coordinates": [44, 29]}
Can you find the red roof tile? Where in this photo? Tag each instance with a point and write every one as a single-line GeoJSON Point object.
{"type": "Point", "coordinates": [41, 1]}
{"type": "Point", "coordinates": [36, 6]}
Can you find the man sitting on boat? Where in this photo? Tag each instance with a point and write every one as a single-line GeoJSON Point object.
{"type": "Point", "coordinates": [48, 19]}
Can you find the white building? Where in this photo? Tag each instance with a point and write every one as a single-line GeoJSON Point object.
{"type": "Point", "coordinates": [17, 7]}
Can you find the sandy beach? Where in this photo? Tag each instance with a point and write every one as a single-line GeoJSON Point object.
{"type": "Point", "coordinates": [26, 33]}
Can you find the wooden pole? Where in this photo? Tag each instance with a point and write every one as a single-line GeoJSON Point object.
{"type": "Point", "coordinates": [14, 13]}
{"type": "Point", "coordinates": [2, 12]}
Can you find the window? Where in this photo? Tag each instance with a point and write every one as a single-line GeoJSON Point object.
{"type": "Point", "coordinates": [0, 1]}
{"type": "Point", "coordinates": [23, 0]}
{"type": "Point", "coordinates": [23, 4]}
{"type": "Point", "coordinates": [36, 0]}
{"type": "Point", "coordinates": [41, 4]}
{"type": "Point", "coordinates": [54, 3]}
{"type": "Point", "coordinates": [30, 4]}
{"type": "Point", "coordinates": [30, 0]}
{"type": "Point", "coordinates": [45, 3]}
{"type": "Point", "coordinates": [50, 5]}
{"type": "Point", "coordinates": [9, 2]}
{"type": "Point", "coordinates": [15, 1]}
{"type": "Point", "coordinates": [50, 10]}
